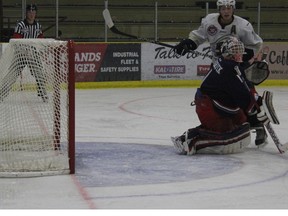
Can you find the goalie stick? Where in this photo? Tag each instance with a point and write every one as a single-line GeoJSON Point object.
{"type": "Point", "coordinates": [109, 22]}
{"type": "Point", "coordinates": [281, 147]}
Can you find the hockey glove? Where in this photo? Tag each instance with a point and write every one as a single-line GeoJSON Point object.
{"type": "Point", "coordinates": [257, 72]}
{"type": "Point", "coordinates": [185, 46]}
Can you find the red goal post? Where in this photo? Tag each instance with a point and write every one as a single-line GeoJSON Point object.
{"type": "Point", "coordinates": [37, 108]}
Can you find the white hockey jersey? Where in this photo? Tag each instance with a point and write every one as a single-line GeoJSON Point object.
{"type": "Point", "coordinates": [211, 31]}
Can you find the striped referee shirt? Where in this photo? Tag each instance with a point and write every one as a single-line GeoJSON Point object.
{"type": "Point", "coordinates": [25, 30]}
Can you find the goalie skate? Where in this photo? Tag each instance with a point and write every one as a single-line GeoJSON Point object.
{"type": "Point", "coordinates": [261, 136]}
{"type": "Point", "coordinates": [178, 144]}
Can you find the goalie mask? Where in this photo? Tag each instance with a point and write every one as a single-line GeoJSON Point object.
{"type": "Point", "coordinates": [233, 48]}
{"type": "Point", "coordinates": [226, 3]}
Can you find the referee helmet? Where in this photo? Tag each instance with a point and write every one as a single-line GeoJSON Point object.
{"type": "Point", "coordinates": [31, 7]}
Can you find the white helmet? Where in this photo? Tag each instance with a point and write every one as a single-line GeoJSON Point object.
{"type": "Point", "coordinates": [226, 3]}
{"type": "Point", "coordinates": [234, 48]}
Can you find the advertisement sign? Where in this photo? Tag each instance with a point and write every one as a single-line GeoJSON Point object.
{"type": "Point", "coordinates": [162, 63]}
{"type": "Point", "coordinates": [147, 61]}
{"type": "Point", "coordinates": [121, 62]}
{"type": "Point", "coordinates": [277, 59]}
{"type": "Point", "coordinates": [107, 62]}
{"type": "Point", "coordinates": [88, 59]}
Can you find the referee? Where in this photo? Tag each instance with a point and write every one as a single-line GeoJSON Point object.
{"type": "Point", "coordinates": [30, 28]}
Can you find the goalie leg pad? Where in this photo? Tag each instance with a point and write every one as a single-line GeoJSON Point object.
{"type": "Point", "coordinates": [267, 100]}
{"type": "Point", "coordinates": [225, 143]}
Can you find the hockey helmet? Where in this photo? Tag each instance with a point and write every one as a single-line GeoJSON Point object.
{"type": "Point", "coordinates": [31, 7]}
{"type": "Point", "coordinates": [234, 48]}
{"type": "Point", "coordinates": [226, 3]}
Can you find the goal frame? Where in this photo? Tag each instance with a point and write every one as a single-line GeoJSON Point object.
{"type": "Point", "coordinates": [71, 93]}
{"type": "Point", "coordinates": [69, 131]}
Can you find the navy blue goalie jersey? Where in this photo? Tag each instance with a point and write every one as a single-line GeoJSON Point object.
{"type": "Point", "coordinates": [227, 86]}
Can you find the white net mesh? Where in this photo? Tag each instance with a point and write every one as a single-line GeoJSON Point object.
{"type": "Point", "coordinates": [34, 108]}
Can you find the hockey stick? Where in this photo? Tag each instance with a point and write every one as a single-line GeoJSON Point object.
{"type": "Point", "coordinates": [109, 22]}
{"type": "Point", "coordinates": [111, 26]}
{"type": "Point", "coordinates": [281, 147]}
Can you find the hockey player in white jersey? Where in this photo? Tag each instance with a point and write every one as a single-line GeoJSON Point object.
{"type": "Point", "coordinates": [215, 28]}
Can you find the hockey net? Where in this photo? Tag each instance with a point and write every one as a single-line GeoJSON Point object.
{"type": "Point", "coordinates": [37, 134]}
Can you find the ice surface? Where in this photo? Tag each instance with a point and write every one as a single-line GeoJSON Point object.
{"type": "Point", "coordinates": [125, 160]}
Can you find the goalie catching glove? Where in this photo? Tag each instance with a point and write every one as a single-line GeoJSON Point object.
{"type": "Point", "coordinates": [257, 72]}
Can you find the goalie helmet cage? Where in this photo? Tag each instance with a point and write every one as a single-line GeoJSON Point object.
{"type": "Point", "coordinates": [37, 108]}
